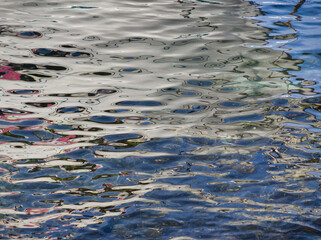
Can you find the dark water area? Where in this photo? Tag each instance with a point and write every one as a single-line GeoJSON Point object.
{"type": "Point", "coordinates": [164, 119]}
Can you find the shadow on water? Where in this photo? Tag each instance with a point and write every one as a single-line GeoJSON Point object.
{"type": "Point", "coordinates": [189, 120]}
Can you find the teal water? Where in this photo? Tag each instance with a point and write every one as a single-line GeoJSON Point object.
{"type": "Point", "coordinates": [160, 119]}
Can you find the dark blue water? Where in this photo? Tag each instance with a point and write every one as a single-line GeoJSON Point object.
{"type": "Point", "coordinates": [160, 119]}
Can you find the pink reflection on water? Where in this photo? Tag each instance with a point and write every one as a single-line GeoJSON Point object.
{"type": "Point", "coordinates": [6, 72]}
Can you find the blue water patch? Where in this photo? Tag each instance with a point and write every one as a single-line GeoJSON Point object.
{"type": "Point", "coordinates": [192, 109]}
{"type": "Point", "coordinates": [139, 103]}
{"type": "Point", "coordinates": [28, 136]}
{"type": "Point", "coordinates": [119, 137]}
{"type": "Point", "coordinates": [233, 104]}
{"type": "Point", "coordinates": [106, 120]}
{"type": "Point", "coordinates": [297, 116]}
{"type": "Point", "coordinates": [26, 123]}
{"type": "Point", "coordinates": [83, 7]}
{"type": "Point", "coordinates": [60, 127]}
{"type": "Point", "coordinates": [199, 83]}
{"type": "Point", "coordinates": [246, 118]}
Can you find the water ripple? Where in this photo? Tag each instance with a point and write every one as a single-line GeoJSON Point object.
{"type": "Point", "coordinates": [190, 120]}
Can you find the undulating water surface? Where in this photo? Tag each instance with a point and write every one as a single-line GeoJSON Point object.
{"type": "Point", "coordinates": [145, 119]}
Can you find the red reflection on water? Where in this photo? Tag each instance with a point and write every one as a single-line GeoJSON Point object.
{"type": "Point", "coordinates": [6, 72]}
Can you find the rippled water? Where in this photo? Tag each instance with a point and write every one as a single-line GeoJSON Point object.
{"type": "Point", "coordinates": [163, 119]}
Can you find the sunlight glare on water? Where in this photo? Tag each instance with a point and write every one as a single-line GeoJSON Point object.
{"type": "Point", "coordinates": [160, 119]}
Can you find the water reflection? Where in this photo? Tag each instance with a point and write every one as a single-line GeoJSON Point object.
{"type": "Point", "coordinates": [182, 122]}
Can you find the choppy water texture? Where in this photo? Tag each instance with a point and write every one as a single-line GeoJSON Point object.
{"type": "Point", "coordinates": [160, 119]}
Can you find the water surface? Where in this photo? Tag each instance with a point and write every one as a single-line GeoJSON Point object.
{"type": "Point", "coordinates": [160, 119]}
